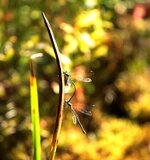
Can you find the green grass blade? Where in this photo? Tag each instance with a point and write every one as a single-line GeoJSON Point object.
{"type": "Point", "coordinates": [35, 114]}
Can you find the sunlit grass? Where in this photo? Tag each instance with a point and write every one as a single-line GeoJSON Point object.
{"type": "Point", "coordinates": [35, 111]}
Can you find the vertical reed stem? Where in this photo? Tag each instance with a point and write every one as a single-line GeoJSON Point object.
{"type": "Point", "coordinates": [61, 90]}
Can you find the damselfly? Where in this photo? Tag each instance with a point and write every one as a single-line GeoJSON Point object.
{"type": "Point", "coordinates": [75, 115]}
{"type": "Point", "coordinates": [69, 83]}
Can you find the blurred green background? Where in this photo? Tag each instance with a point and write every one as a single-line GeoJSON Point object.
{"type": "Point", "coordinates": [111, 38]}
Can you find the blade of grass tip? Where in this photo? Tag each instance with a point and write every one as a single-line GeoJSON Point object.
{"type": "Point", "coordinates": [61, 90]}
{"type": "Point", "coordinates": [35, 111]}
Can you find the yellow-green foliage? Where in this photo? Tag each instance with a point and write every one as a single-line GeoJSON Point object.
{"type": "Point", "coordinates": [109, 37]}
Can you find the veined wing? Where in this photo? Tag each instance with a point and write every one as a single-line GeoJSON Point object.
{"type": "Point", "coordinates": [76, 119]}
{"type": "Point", "coordinates": [75, 116]}
{"type": "Point", "coordinates": [67, 87]}
{"type": "Point", "coordinates": [84, 77]}
{"type": "Point", "coordinates": [83, 111]}
{"type": "Point", "coordinates": [68, 82]}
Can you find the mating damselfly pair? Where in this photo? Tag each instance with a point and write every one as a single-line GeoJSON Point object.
{"type": "Point", "coordinates": [69, 82]}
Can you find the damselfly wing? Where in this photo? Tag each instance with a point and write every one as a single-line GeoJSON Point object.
{"type": "Point", "coordinates": [68, 84]}
{"type": "Point", "coordinates": [84, 77]}
{"type": "Point", "coordinates": [75, 117]}
{"type": "Point", "coordinates": [69, 81]}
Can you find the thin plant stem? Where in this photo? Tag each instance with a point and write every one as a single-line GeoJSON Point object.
{"type": "Point", "coordinates": [59, 117]}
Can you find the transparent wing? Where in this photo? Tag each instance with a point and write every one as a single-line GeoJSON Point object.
{"type": "Point", "coordinates": [74, 119]}
{"type": "Point", "coordinates": [86, 112]}
{"type": "Point", "coordinates": [67, 87]}
{"type": "Point", "coordinates": [77, 119]}
{"type": "Point", "coordinates": [68, 82]}
{"type": "Point", "coordinates": [84, 78]}
{"type": "Point", "coordinates": [75, 116]}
